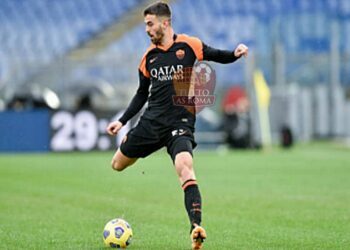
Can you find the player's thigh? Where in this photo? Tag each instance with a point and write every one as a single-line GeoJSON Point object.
{"type": "Point", "coordinates": [141, 141]}
{"type": "Point", "coordinates": [181, 143]}
{"type": "Point", "coordinates": [121, 161]}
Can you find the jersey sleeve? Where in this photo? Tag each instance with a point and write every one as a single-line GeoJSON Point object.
{"type": "Point", "coordinates": [205, 52]}
{"type": "Point", "coordinates": [138, 100]}
{"type": "Point", "coordinates": [217, 55]}
{"type": "Point", "coordinates": [143, 67]}
{"type": "Point", "coordinates": [195, 44]}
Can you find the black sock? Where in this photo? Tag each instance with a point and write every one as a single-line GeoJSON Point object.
{"type": "Point", "coordinates": [193, 202]}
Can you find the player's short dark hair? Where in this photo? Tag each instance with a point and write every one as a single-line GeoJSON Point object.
{"type": "Point", "coordinates": [159, 9]}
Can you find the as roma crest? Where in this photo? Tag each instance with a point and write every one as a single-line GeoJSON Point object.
{"type": "Point", "coordinates": [180, 53]}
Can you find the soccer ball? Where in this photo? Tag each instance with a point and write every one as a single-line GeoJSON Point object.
{"type": "Point", "coordinates": [117, 233]}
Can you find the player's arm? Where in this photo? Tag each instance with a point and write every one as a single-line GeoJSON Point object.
{"type": "Point", "coordinates": [134, 107]}
{"type": "Point", "coordinates": [224, 56]}
{"type": "Point", "coordinates": [138, 100]}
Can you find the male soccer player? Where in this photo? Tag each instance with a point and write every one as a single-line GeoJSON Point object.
{"type": "Point", "coordinates": [163, 123]}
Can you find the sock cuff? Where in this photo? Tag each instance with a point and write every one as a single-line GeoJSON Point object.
{"type": "Point", "coordinates": [188, 183]}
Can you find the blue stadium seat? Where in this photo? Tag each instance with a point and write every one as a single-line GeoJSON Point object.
{"type": "Point", "coordinates": [45, 29]}
{"type": "Point", "coordinates": [48, 28]}
{"type": "Point", "coordinates": [302, 26]}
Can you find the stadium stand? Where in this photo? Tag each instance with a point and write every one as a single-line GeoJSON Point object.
{"type": "Point", "coordinates": [93, 47]}
{"type": "Point", "coordinates": [35, 33]}
{"type": "Point", "coordinates": [302, 26]}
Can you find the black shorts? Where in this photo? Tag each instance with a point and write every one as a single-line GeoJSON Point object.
{"type": "Point", "coordinates": [148, 136]}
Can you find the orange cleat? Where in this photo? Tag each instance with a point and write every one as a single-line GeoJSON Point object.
{"type": "Point", "coordinates": [198, 236]}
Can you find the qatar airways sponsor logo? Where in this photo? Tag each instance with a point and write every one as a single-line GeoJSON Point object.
{"type": "Point", "coordinates": [168, 73]}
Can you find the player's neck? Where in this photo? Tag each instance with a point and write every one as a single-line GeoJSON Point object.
{"type": "Point", "coordinates": [168, 39]}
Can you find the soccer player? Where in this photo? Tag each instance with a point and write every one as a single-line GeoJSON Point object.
{"type": "Point", "coordinates": [164, 124]}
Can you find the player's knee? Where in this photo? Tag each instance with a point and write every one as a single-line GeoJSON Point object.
{"type": "Point", "coordinates": [117, 166]}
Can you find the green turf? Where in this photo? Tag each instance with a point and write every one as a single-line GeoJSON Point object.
{"type": "Point", "coordinates": [295, 199]}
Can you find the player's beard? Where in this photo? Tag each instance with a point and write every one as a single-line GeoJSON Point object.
{"type": "Point", "coordinates": [158, 37]}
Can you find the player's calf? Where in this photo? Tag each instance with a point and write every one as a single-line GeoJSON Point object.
{"type": "Point", "coordinates": [184, 166]}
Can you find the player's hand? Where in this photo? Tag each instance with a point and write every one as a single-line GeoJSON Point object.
{"type": "Point", "coordinates": [114, 127]}
{"type": "Point", "coordinates": [241, 50]}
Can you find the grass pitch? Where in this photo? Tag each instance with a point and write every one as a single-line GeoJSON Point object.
{"type": "Point", "coordinates": [295, 199]}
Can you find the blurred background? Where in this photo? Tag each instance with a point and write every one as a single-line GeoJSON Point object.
{"type": "Point", "coordinates": [68, 67]}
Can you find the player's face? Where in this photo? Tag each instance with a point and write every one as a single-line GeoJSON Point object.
{"type": "Point", "coordinates": [154, 28]}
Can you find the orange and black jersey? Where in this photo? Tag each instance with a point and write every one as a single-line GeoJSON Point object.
{"type": "Point", "coordinates": [157, 70]}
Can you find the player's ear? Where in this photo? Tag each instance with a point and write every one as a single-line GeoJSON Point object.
{"type": "Point", "coordinates": [165, 22]}
{"type": "Point", "coordinates": [162, 23]}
